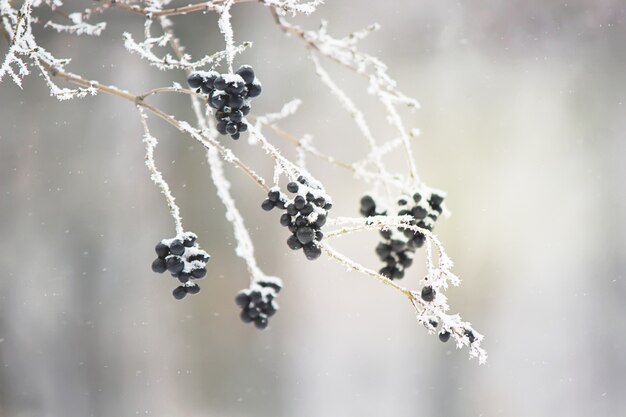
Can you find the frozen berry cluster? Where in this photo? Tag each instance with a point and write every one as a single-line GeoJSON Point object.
{"type": "Point", "coordinates": [258, 303]}
{"type": "Point", "coordinates": [304, 215]}
{"type": "Point", "coordinates": [229, 95]}
{"type": "Point", "coordinates": [398, 246]}
{"type": "Point", "coordinates": [182, 257]}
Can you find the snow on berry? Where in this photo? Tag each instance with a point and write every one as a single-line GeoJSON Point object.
{"type": "Point", "coordinates": [184, 259]}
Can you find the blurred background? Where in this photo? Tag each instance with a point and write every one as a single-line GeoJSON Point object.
{"type": "Point", "coordinates": [523, 123]}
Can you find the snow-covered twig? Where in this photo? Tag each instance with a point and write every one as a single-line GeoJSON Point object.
{"type": "Point", "coordinates": [155, 175]}
{"type": "Point", "coordinates": [79, 27]}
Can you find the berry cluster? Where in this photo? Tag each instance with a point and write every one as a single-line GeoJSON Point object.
{"type": "Point", "coordinates": [398, 247]}
{"type": "Point", "coordinates": [229, 95]}
{"type": "Point", "coordinates": [258, 303]}
{"type": "Point", "coordinates": [182, 257]}
{"type": "Point", "coordinates": [304, 215]}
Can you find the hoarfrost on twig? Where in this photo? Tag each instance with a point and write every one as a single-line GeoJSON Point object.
{"type": "Point", "coordinates": [155, 175]}
{"type": "Point", "coordinates": [79, 27]}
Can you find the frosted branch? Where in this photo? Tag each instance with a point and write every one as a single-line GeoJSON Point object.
{"type": "Point", "coordinates": [168, 62]}
{"type": "Point", "coordinates": [79, 27]}
{"type": "Point", "coordinates": [293, 7]}
{"type": "Point", "coordinates": [150, 143]}
{"type": "Point", "coordinates": [227, 30]}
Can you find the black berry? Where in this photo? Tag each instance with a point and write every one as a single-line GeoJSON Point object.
{"type": "Point", "coordinates": [198, 273]}
{"type": "Point", "coordinates": [192, 289]}
{"type": "Point", "coordinates": [428, 294]}
{"type": "Point", "coordinates": [312, 251]}
{"type": "Point", "coordinates": [159, 265]}
{"type": "Point", "coordinates": [246, 73]}
{"type": "Point", "coordinates": [179, 292]}
{"type": "Point", "coordinates": [267, 205]}
{"type": "Point", "coordinates": [177, 247]}
{"type": "Point", "coordinates": [254, 89]}
{"type": "Point", "coordinates": [174, 264]}
{"type": "Point", "coordinates": [294, 243]}
{"type": "Point", "coordinates": [162, 250]}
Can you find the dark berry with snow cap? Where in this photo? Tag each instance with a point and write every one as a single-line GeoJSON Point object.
{"type": "Point", "coordinates": [436, 199]}
{"type": "Point", "coordinates": [444, 336]}
{"type": "Point", "coordinates": [235, 87]}
{"type": "Point", "coordinates": [246, 73]}
{"type": "Point", "coordinates": [231, 128]}
{"type": "Point", "coordinates": [183, 276]}
{"type": "Point", "coordinates": [189, 240]}
{"type": "Point", "coordinates": [219, 83]}
{"type": "Point", "coordinates": [192, 289]}
{"type": "Point", "coordinates": [195, 80]}
{"type": "Point", "coordinates": [273, 195]}
{"type": "Point", "coordinates": [198, 273]}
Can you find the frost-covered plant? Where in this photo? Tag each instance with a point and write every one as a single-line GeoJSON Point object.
{"type": "Point", "coordinates": [404, 208]}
